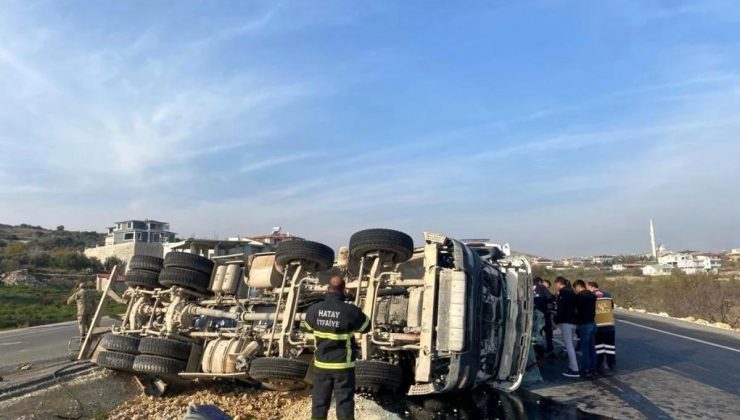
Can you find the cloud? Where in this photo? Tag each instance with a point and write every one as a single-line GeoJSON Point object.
{"type": "Point", "coordinates": [201, 116]}
{"type": "Point", "coordinates": [272, 162]}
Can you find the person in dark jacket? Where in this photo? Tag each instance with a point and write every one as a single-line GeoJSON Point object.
{"type": "Point", "coordinates": [334, 323]}
{"type": "Point", "coordinates": [585, 303]}
{"type": "Point", "coordinates": [542, 302]}
{"type": "Point", "coordinates": [565, 317]}
{"type": "Point", "coordinates": [605, 331]}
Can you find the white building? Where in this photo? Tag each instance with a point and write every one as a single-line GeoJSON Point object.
{"type": "Point", "coordinates": [690, 264]}
{"type": "Point", "coordinates": [150, 231]}
{"type": "Point", "coordinates": [656, 270]}
{"type": "Point", "coordinates": [210, 248]}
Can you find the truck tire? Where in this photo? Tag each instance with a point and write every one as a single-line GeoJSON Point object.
{"type": "Point", "coordinates": [314, 253]}
{"type": "Point", "coordinates": [399, 244]}
{"type": "Point", "coordinates": [116, 360]}
{"type": "Point", "coordinates": [183, 277]}
{"type": "Point", "coordinates": [142, 278]}
{"type": "Point", "coordinates": [165, 347]}
{"type": "Point", "coordinates": [189, 261]}
{"type": "Point", "coordinates": [373, 376]}
{"type": "Point", "coordinates": [145, 262]}
{"type": "Point", "coordinates": [121, 343]}
{"type": "Point", "coordinates": [158, 366]}
{"type": "Point", "coordinates": [279, 374]}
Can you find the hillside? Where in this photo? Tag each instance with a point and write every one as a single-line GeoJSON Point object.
{"type": "Point", "coordinates": [47, 239]}
{"type": "Point", "coordinates": [44, 250]}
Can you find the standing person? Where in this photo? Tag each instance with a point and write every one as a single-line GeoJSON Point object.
{"type": "Point", "coordinates": [585, 316]}
{"type": "Point", "coordinates": [565, 316]}
{"type": "Point", "coordinates": [333, 323]}
{"type": "Point", "coordinates": [542, 302]}
{"type": "Point", "coordinates": [85, 299]}
{"type": "Point", "coordinates": [605, 331]}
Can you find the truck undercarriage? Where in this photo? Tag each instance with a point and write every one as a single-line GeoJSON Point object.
{"type": "Point", "coordinates": [445, 317]}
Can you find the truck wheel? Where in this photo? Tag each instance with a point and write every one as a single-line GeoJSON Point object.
{"type": "Point", "coordinates": [116, 361]}
{"type": "Point", "coordinates": [158, 366]}
{"type": "Point", "coordinates": [189, 261]}
{"type": "Point", "coordinates": [145, 262]}
{"type": "Point", "coordinates": [314, 253]}
{"type": "Point", "coordinates": [165, 347]}
{"type": "Point", "coordinates": [279, 374]}
{"type": "Point", "coordinates": [399, 244]}
{"type": "Point", "coordinates": [373, 376]}
{"type": "Point", "coordinates": [142, 278]}
{"type": "Point", "coordinates": [121, 343]}
{"type": "Point", "coordinates": [183, 277]}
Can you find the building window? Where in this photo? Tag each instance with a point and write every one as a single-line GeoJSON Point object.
{"type": "Point", "coordinates": [128, 236]}
{"type": "Point", "coordinates": [138, 236]}
{"type": "Point", "coordinates": [130, 225]}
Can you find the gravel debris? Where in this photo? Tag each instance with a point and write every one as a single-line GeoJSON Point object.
{"type": "Point", "coordinates": [239, 401]}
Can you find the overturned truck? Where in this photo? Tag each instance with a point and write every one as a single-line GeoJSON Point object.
{"type": "Point", "coordinates": [445, 317]}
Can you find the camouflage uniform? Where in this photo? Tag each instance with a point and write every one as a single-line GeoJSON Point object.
{"type": "Point", "coordinates": [85, 299]}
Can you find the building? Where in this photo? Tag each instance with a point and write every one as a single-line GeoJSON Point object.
{"type": "Point", "coordinates": [657, 270]}
{"type": "Point", "coordinates": [101, 282]}
{"type": "Point", "coordinates": [275, 237]}
{"type": "Point", "coordinates": [602, 259]}
{"type": "Point", "coordinates": [149, 231]}
{"type": "Point", "coordinates": [734, 254]}
{"type": "Point", "coordinates": [133, 237]}
{"type": "Point", "coordinates": [689, 263]}
{"type": "Point", "coordinates": [545, 262]}
{"type": "Point", "coordinates": [235, 246]}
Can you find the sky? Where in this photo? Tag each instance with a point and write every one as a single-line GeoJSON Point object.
{"type": "Point", "coordinates": [560, 127]}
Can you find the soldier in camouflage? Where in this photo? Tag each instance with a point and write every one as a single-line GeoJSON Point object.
{"type": "Point", "coordinates": [85, 299]}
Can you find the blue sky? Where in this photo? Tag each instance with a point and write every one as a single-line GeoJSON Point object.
{"type": "Point", "coordinates": [558, 126]}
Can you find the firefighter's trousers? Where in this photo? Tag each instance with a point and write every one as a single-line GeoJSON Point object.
{"type": "Point", "coordinates": [341, 383]}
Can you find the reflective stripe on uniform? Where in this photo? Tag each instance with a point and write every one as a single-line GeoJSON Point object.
{"type": "Point", "coordinates": [308, 327]}
{"type": "Point", "coordinates": [332, 336]}
{"type": "Point", "coordinates": [349, 351]}
{"type": "Point", "coordinates": [333, 366]}
{"type": "Point", "coordinates": [364, 325]}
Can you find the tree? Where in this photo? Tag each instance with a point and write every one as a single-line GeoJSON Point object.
{"type": "Point", "coordinates": [60, 228]}
{"type": "Point", "coordinates": [113, 261]}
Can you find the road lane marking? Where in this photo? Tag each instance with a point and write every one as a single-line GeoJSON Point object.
{"type": "Point", "coordinates": [48, 328]}
{"type": "Point", "coordinates": [681, 336]}
{"type": "Point", "coordinates": [11, 344]}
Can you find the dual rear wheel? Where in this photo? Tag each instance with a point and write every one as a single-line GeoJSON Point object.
{"type": "Point", "coordinates": [156, 356]}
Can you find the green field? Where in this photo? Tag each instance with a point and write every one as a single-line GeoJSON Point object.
{"type": "Point", "coordinates": [24, 306]}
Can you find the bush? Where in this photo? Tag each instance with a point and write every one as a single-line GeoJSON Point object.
{"type": "Point", "coordinates": [701, 296]}
{"type": "Point", "coordinates": [24, 306]}
{"type": "Point", "coordinates": [110, 262]}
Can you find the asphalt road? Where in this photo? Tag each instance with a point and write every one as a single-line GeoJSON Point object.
{"type": "Point", "coordinates": [37, 344]}
{"type": "Point", "coordinates": [665, 369]}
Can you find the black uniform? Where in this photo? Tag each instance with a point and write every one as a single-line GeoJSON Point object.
{"type": "Point", "coordinates": [334, 323]}
{"type": "Point", "coordinates": [542, 302]}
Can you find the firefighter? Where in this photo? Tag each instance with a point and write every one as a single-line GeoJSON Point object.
{"type": "Point", "coordinates": [334, 324]}
{"type": "Point", "coordinates": [85, 307]}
